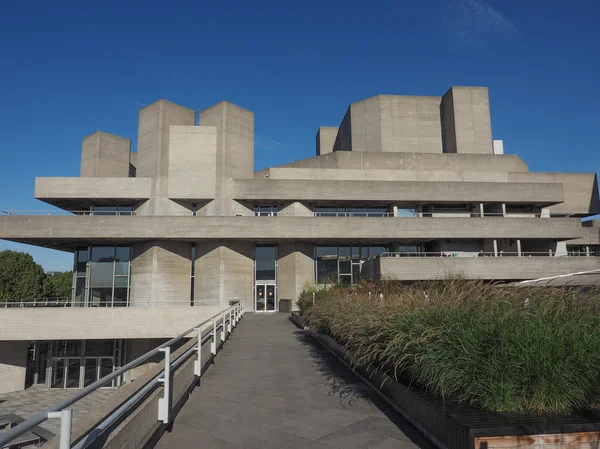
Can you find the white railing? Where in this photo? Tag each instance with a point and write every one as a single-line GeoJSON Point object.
{"type": "Point", "coordinates": [499, 253]}
{"type": "Point", "coordinates": [223, 322]}
{"type": "Point", "coordinates": [399, 214]}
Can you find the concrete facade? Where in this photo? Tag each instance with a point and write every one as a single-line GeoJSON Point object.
{"type": "Point", "coordinates": [13, 360]}
{"type": "Point", "coordinates": [406, 187]}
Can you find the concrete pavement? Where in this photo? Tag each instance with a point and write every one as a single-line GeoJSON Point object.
{"type": "Point", "coordinates": [273, 386]}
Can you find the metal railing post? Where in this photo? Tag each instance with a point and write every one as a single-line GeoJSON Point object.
{"type": "Point", "coordinates": [223, 328]}
{"type": "Point", "coordinates": [66, 421]}
{"type": "Point", "coordinates": [229, 327]}
{"type": "Point", "coordinates": [213, 344]}
{"type": "Point", "coordinates": [198, 362]}
{"type": "Point", "coordinates": [164, 403]}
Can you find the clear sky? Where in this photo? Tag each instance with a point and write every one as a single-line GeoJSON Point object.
{"type": "Point", "coordinates": [69, 68]}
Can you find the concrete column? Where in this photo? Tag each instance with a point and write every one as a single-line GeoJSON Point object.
{"type": "Point", "coordinates": [550, 252]}
{"type": "Point", "coordinates": [504, 209]}
{"type": "Point", "coordinates": [519, 247]}
{"type": "Point", "coordinates": [13, 363]}
{"type": "Point", "coordinates": [161, 273]}
{"type": "Point", "coordinates": [395, 210]}
{"type": "Point", "coordinates": [105, 155]}
{"type": "Point", "coordinates": [495, 248]}
{"type": "Point", "coordinates": [419, 211]}
{"type": "Point", "coordinates": [325, 139]}
{"type": "Point", "coordinates": [587, 251]}
{"type": "Point", "coordinates": [295, 269]}
{"type": "Point", "coordinates": [481, 210]}
{"type": "Point", "coordinates": [224, 271]}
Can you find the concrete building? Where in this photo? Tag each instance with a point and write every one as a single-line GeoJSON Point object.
{"type": "Point", "coordinates": [405, 187]}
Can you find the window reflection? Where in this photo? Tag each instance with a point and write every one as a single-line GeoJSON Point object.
{"type": "Point", "coordinates": [342, 263]}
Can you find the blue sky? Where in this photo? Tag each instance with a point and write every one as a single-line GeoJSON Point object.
{"type": "Point", "coordinates": [69, 68]}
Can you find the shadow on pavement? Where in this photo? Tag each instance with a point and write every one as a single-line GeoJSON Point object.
{"type": "Point", "coordinates": [343, 383]}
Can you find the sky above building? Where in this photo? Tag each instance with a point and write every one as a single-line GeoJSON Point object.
{"type": "Point", "coordinates": [69, 68]}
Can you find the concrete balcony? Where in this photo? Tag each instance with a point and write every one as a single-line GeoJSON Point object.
{"type": "Point", "coordinates": [488, 268]}
{"type": "Point", "coordinates": [67, 232]}
{"type": "Point", "coordinates": [99, 322]}
{"type": "Point", "coordinates": [539, 193]}
{"type": "Point", "coordinates": [75, 193]}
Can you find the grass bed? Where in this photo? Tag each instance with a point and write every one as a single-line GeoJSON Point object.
{"type": "Point", "coordinates": [498, 349]}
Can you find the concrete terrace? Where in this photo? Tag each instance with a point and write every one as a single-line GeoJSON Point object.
{"type": "Point", "coordinates": [275, 387]}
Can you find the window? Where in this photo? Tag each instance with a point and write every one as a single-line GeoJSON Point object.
{"type": "Point", "coordinates": [265, 261]}
{"type": "Point", "coordinates": [266, 210]}
{"type": "Point", "coordinates": [102, 276]}
{"type": "Point", "coordinates": [112, 210]}
{"type": "Point", "coordinates": [343, 211]}
{"type": "Point", "coordinates": [342, 263]}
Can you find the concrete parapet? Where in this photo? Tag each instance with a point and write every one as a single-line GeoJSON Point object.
{"type": "Point", "coordinates": [13, 363]}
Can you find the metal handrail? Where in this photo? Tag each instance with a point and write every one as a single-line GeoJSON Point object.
{"type": "Point", "coordinates": [69, 303]}
{"type": "Point", "coordinates": [499, 253]}
{"type": "Point", "coordinates": [40, 417]}
{"type": "Point", "coordinates": [419, 214]}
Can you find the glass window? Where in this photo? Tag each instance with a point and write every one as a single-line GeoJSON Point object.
{"type": "Point", "coordinates": [81, 259]}
{"type": "Point", "coordinates": [79, 292]}
{"type": "Point", "coordinates": [377, 250]}
{"type": "Point", "coordinates": [97, 348]}
{"type": "Point", "coordinates": [377, 211]}
{"type": "Point", "coordinates": [327, 271]}
{"type": "Point", "coordinates": [407, 212]}
{"type": "Point", "coordinates": [265, 257]}
{"type": "Point", "coordinates": [101, 274]}
{"type": "Point", "coordinates": [101, 297]}
{"type": "Point", "coordinates": [125, 210]}
{"type": "Point", "coordinates": [345, 267]}
{"type": "Point", "coordinates": [103, 253]}
{"type": "Point", "coordinates": [325, 211]}
{"type": "Point", "coordinates": [329, 252]}
{"type": "Point", "coordinates": [358, 212]}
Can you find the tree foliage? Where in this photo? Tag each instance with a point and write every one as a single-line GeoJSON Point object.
{"type": "Point", "coordinates": [60, 285]}
{"type": "Point", "coordinates": [20, 276]}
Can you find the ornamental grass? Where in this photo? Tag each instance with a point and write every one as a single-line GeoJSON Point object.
{"type": "Point", "coordinates": [501, 349]}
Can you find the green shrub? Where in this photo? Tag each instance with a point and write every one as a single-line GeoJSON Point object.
{"type": "Point", "coordinates": [500, 349]}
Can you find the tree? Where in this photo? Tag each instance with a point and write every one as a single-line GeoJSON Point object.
{"type": "Point", "coordinates": [60, 285]}
{"type": "Point", "coordinates": [20, 276]}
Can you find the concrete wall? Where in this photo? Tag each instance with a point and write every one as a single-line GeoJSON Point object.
{"type": "Point", "coordinates": [91, 230]}
{"type": "Point", "coordinates": [509, 268]}
{"type": "Point", "coordinates": [295, 268]}
{"type": "Point", "coordinates": [414, 161]}
{"type": "Point", "coordinates": [155, 121]}
{"type": "Point", "coordinates": [161, 273]}
{"type": "Point", "coordinates": [192, 162]}
{"type": "Point", "coordinates": [580, 190]}
{"type": "Point", "coordinates": [13, 364]}
{"type": "Point", "coordinates": [224, 271]}
{"type": "Point", "coordinates": [410, 124]}
{"type": "Point", "coordinates": [295, 209]}
{"type": "Point", "coordinates": [343, 140]}
{"type": "Point", "coordinates": [325, 139]}
{"type": "Point", "coordinates": [79, 323]}
{"type": "Point", "coordinates": [235, 151]}
{"type": "Point", "coordinates": [395, 191]}
{"type": "Point", "coordinates": [466, 119]}
{"type": "Point", "coordinates": [105, 155]}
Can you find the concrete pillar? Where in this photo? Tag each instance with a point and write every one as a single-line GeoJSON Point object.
{"type": "Point", "coordinates": [504, 209]}
{"type": "Point", "coordinates": [395, 210]}
{"type": "Point", "coordinates": [161, 273]}
{"type": "Point", "coordinates": [13, 363]}
{"type": "Point", "coordinates": [587, 251]}
{"type": "Point", "coordinates": [495, 248]}
{"type": "Point", "coordinates": [224, 272]}
{"type": "Point", "coordinates": [519, 247]}
{"type": "Point", "coordinates": [152, 160]}
{"type": "Point", "coordinates": [295, 269]}
{"type": "Point", "coordinates": [105, 155]}
{"type": "Point", "coordinates": [325, 139]}
{"type": "Point", "coordinates": [481, 210]}
{"type": "Point", "coordinates": [419, 211]}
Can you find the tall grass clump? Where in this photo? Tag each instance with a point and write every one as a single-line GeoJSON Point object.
{"type": "Point", "coordinates": [534, 350]}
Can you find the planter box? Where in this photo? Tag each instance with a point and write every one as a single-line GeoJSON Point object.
{"type": "Point", "coordinates": [459, 426]}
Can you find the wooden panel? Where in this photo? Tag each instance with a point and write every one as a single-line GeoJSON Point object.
{"type": "Point", "coordinates": [579, 440]}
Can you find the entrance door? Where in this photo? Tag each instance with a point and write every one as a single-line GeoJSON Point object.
{"type": "Point", "coordinates": [266, 298]}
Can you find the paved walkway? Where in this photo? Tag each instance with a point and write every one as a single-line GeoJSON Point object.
{"type": "Point", "coordinates": [28, 402]}
{"type": "Point", "coordinates": [274, 387]}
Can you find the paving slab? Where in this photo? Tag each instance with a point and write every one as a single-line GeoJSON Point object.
{"type": "Point", "coordinates": [274, 386]}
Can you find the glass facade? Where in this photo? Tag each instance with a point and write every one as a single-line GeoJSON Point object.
{"type": "Point", "coordinates": [265, 258]}
{"type": "Point", "coordinates": [341, 263]}
{"type": "Point", "coordinates": [101, 276]}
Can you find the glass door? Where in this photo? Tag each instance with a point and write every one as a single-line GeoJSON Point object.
{"type": "Point", "coordinates": [271, 300]}
{"type": "Point", "coordinates": [260, 298]}
{"type": "Point", "coordinates": [58, 373]}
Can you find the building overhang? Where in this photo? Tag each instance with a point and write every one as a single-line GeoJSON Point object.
{"type": "Point", "coordinates": [79, 193]}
